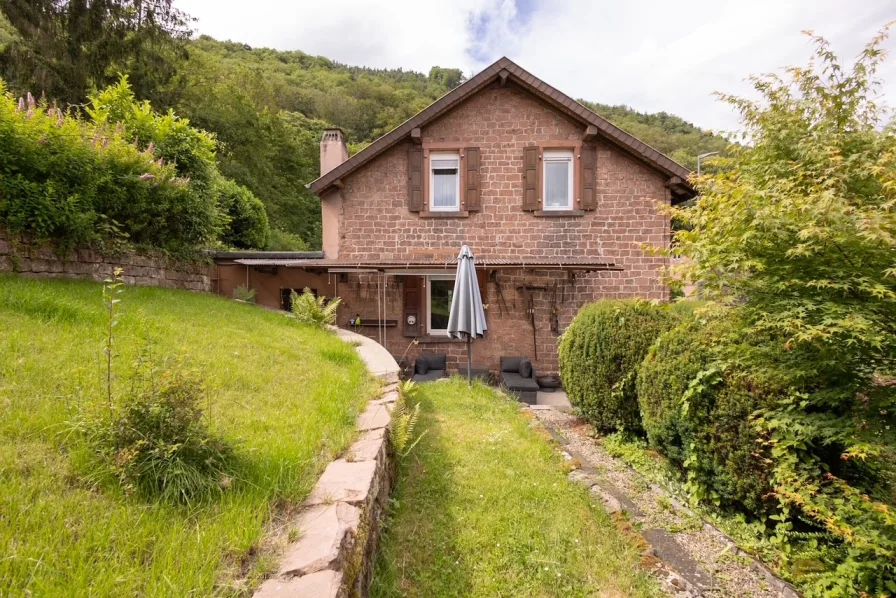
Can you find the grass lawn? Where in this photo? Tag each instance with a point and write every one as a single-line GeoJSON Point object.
{"type": "Point", "coordinates": [286, 396]}
{"type": "Point", "coordinates": [483, 508]}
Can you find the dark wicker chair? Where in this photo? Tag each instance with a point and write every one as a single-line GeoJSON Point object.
{"type": "Point", "coordinates": [524, 389]}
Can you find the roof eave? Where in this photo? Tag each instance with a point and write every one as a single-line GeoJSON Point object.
{"type": "Point", "coordinates": [504, 69]}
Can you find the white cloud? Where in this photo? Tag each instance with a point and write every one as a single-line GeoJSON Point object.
{"type": "Point", "coordinates": [653, 55]}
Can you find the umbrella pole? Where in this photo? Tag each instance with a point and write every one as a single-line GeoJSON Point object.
{"type": "Point", "coordinates": [469, 363]}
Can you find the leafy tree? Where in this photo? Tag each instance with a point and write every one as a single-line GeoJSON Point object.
{"type": "Point", "coordinates": [272, 153]}
{"type": "Point", "coordinates": [247, 226]}
{"type": "Point", "coordinates": [67, 47]}
{"type": "Point", "coordinates": [450, 78]}
{"type": "Point", "coordinates": [8, 33]}
{"type": "Point", "coordinates": [677, 138]}
{"type": "Point", "coordinates": [799, 227]}
{"type": "Point", "coordinates": [191, 150]}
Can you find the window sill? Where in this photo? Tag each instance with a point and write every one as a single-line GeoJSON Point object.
{"type": "Point", "coordinates": [557, 213]}
{"type": "Point", "coordinates": [460, 214]}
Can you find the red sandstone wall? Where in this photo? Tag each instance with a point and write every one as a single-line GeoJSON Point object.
{"type": "Point", "coordinates": [30, 260]}
{"type": "Point", "coordinates": [376, 224]}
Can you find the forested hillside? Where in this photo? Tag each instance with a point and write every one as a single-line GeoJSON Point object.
{"type": "Point", "coordinates": [266, 107]}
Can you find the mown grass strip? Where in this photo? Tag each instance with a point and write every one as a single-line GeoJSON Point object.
{"type": "Point", "coordinates": [283, 394]}
{"type": "Point", "coordinates": [483, 508]}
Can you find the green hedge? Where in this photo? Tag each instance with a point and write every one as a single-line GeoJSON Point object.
{"type": "Point", "coordinates": [599, 354]}
{"type": "Point", "coordinates": [697, 406]}
{"type": "Point", "coordinates": [125, 175]}
{"type": "Point", "coordinates": [671, 364]}
{"type": "Point", "coordinates": [73, 182]}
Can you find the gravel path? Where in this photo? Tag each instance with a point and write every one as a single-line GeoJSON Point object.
{"type": "Point", "coordinates": [696, 558]}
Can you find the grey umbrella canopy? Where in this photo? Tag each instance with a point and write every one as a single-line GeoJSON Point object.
{"type": "Point", "coordinates": [467, 318]}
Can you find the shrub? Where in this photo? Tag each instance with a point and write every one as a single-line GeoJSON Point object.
{"type": "Point", "coordinates": [405, 414]}
{"type": "Point", "coordinates": [316, 311]}
{"type": "Point", "coordinates": [76, 182]}
{"type": "Point", "coordinates": [599, 354]}
{"type": "Point", "coordinates": [669, 367]}
{"type": "Point", "coordinates": [797, 226]}
{"type": "Point", "coordinates": [247, 222]}
{"type": "Point", "coordinates": [697, 406]}
{"type": "Point", "coordinates": [725, 460]}
{"type": "Point", "coordinates": [244, 294]}
{"type": "Point", "coordinates": [281, 240]}
{"type": "Point", "coordinates": [156, 443]}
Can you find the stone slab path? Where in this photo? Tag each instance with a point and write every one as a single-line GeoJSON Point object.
{"type": "Point", "coordinates": [690, 557]}
{"type": "Point", "coordinates": [337, 528]}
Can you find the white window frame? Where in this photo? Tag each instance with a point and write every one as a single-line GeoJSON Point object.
{"type": "Point", "coordinates": [433, 156]}
{"type": "Point", "coordinates": [429, 279]}
{"type": "Point", "coordinates": [557, 156]}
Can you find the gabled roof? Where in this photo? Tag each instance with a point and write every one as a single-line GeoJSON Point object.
{"type": "Point", "coordinates": [505, 69]}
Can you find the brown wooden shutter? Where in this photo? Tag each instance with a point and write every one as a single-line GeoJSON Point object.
{"type": "Point", "coordinates": [413, 293]}
{"type": "Point", "coordinates": [415, 178]}
{"type": "Point", "coordinates": [589, 178]}
{"type": "Point", "coordinates": [530, 179]}
{"type": "Point", "coordinates": [482, 279]}
{"type": "Point", "coordinates": [472, 197]}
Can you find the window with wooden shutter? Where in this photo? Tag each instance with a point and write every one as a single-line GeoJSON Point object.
{"type": "Point", "coordinates": [415, 178]}
{"type": "Point", "coordinates": [531, 179]}
{"type": "Point", "coordinates": [472, 186]}
{"type": "Point", "coordinates": [589, 178]}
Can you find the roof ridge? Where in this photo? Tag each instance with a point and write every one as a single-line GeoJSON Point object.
{"type": "Point", "coordinates": [544, 91]}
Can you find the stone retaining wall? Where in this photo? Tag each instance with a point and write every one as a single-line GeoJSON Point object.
{"type": "Point", "coordinates": [30, 260]}
{"type": "Point", "coordinates": [341, 520]}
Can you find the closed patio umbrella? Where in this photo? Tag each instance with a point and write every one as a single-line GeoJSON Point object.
{"type": "Point", "coordinates": [467, 317]}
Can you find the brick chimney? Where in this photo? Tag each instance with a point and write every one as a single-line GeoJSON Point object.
{"type": "Point", "coordinates": [332, 150]}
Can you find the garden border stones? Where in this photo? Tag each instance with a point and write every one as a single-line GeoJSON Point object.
{"type": "Point", "coordinates": [340, 521]}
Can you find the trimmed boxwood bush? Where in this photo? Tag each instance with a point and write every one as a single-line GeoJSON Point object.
{"type": "Point", "coordinates": [697, 406]}
{"type": "Point", "coordinates": [727, 464]}
{"type": "Point", "coordinates": [671, 364]}
{"type": "Point", "coordinates": [599, 354]}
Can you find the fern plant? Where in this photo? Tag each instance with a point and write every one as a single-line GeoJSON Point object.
{"type": "Point", "coordinates": [403, 426]}
{"type": "Point", "coordinates": [244, 294]}
{"type": "Point", "coordinates": [316, 311]}
{"type": "Point", "coordinates": [408, 390]}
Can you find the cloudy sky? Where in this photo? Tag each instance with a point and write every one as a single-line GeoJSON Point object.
{"type": "Point", "coordinates": [652, 55]}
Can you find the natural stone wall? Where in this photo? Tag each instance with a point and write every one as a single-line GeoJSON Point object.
{"type": "Point", "coordinates": [31, 260]}
{"type": "Point", "coordinates": [341, 520]}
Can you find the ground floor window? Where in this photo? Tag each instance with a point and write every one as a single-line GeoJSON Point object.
{"type": "Point", "coordinates": [439, 290]}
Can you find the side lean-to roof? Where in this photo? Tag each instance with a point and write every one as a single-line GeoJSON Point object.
{"type": "Point", "coordinates": [506, 70]}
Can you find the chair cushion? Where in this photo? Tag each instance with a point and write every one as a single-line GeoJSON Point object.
{"type": "Point", "coordinates": [525, 368]}
{"type": "Point", "coordinates": [513, 381]}
{"type": "Point", "coordinates": [511, 364]}
{"type": "Point", "coordinates": [436, 361]}
{"type": "Point", "coordinates": [421, 366]}
{"type": "Point", "coordinates": [429, 376]}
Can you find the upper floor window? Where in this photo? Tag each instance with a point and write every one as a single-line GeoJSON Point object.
{"type": "Point", "coordinates": [444, 182]}
{"type": "Point", "coordinates": [558, 169]}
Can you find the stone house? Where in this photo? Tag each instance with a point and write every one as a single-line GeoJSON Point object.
{"type": "Point", "coordinates": [555, 202]}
